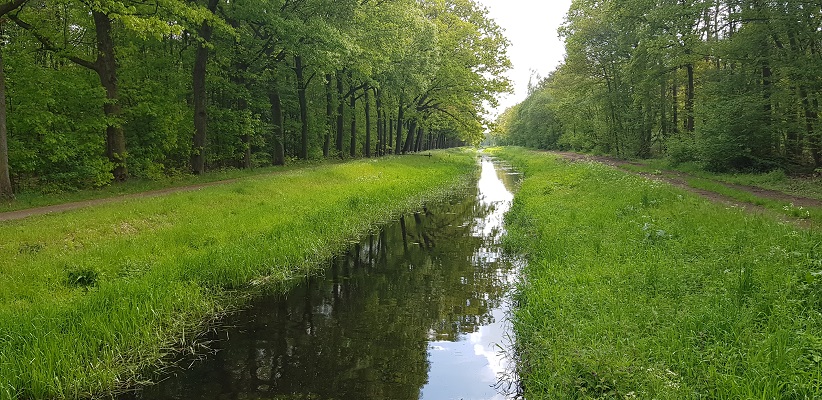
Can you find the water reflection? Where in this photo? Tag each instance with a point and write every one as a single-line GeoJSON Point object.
{"type": "Point", "coordinates": [415, 311]}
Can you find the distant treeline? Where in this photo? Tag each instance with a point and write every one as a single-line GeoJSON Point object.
{"type": "Point", "coordinates": [728, 85]}
{"type": "Point", "coordinates": [105, 90]}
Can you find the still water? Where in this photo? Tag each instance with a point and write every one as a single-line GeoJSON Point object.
{"type": "Point", "coordinates": [415, 311]}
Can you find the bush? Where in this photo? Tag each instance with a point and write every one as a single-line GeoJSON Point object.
{"type": "Point", "coordinates": [682, 150]}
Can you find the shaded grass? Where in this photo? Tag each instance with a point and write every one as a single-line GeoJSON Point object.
{"type": "Point", "coordinates": [89, 297]}
{"type": "Point", "coordinates": [637, 289]}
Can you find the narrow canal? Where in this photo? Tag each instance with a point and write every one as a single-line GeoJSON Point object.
{"type": "Point", "coordinates": [415, 311]}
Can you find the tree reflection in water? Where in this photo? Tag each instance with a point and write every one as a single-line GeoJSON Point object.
{"type": "Point", "coordinates": [362, 331]}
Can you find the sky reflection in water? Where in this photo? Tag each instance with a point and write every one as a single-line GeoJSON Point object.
{"type": "Point", "coordinates": [478, 356]}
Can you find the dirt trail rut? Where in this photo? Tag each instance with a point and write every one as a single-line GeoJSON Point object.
{"type": "Point", "coordinates": [679, 179]}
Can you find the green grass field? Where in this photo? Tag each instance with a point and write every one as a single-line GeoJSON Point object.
{"type": "Point", "coordinates": [637, 289]}
{"type": "Point", "coordinates": [34, 198]}
{"type": "Point", "coordinates": [89, 298]}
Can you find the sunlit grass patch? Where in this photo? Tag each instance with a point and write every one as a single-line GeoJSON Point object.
{"type": "Point", "coordinates": [637, 289]}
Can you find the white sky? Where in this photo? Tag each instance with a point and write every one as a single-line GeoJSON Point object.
{"type": "Point", "coordinates": [531, 27]}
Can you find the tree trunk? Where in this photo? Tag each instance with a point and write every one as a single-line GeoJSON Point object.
{"type": "Point", "coordinates": [663, 114]}
{"type": "Point", "coordinates": [329, 115]}
{"type": "Point", "coordinates": [385, 133]}
{"type": "Point", "coordinates": [418, 144]}
{"type": "Point", "coordinates": [409, 139]}
{"type": "Point", "coordinates": [816, 146]}
{"type": "Point", "coordinates": [353, 105]}
{"type": "Point", "coordinates": [6, 191]}
{"type": "Point", "coordinates": [398, 141]}
{"type": "Point", "coordinates": [378, 150]}
{"type": "Point", "coordinates": [614, 139]}
{"type": "Point", "coordinates": [380, 119]}
{"type": "Point", "coordinates": [767, 109]}
{"type": "Point", "coordinates": [299, 69]}
{"type": "Point", "coordinates": [795, 134]}
{"type": "Point", "coordinates": [340, 110]}
{"type": "Point", "coordinates": [107, 72]}
{"type": "Point", "coordinates": [199, 94]}
{"type": "Point", "coordinates": [689, 100]}
{"type": "Point", "coordinates": [675, 111]}
{"type": "Point", "coordinates": [246, 141]}
{"type": "Point", "coordinates": [242, 106]}
{"type": "Point", "coordinates": [278, 151]}
{"type": "Point", "coordinates": [367, 99]}
{"type": "Point", "coordinates": [391, 135]}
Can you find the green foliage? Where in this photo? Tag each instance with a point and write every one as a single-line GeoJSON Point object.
{"type": "Point", "coordinates": [636, 289]}
{"type": "Point", "coordinates": [733, 86]}
{"type": "Point", "coordinates": [55, 119]}
{"type": "Point", "coordinates": [683, 150]}
{"type": "Point", "coordinates": [440, 61]}
{"type": "Point", "coordinates": [156, 116]}
{"type": "Point", "coordinates": [533, 123]}
{"type": "Point", "coordinates": [735, 133]}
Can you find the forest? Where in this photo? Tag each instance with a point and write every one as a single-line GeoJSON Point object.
{"type": "Point", "coordinates": [98, 92]}
{"type": "Point", "coordinates": [725, 85]}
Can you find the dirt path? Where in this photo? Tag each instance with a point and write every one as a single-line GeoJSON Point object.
{"type": "Point", "coordinates": [679, 179]}
{"type": "Point", "coordinates": [28, 212]}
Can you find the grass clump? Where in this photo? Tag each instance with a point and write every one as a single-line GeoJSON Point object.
{"type": "Point", "coordinates": [637, 289]}
{"type": "Point", "coordinates": [81, 277]}
{"type": "Point", "coordinates": [89, 298]}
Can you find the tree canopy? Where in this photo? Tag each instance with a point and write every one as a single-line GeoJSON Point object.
{"type": "Point", "coordinates": [729, 85]}
{"type": "Point", "coordinates": [108, 90]}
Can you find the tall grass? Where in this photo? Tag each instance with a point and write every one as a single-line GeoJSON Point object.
{"type": "Point", "coordinates": [637, 289]}
{"type": "Point", "coordinates": [88, 298]}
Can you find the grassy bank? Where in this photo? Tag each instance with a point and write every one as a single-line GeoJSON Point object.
{"type": "Point", "coordinates": [636, 289]}
{"type": "Point", "coordinates": [34, 198]}
{"type": "Point", "coordinates": [89, 297]}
